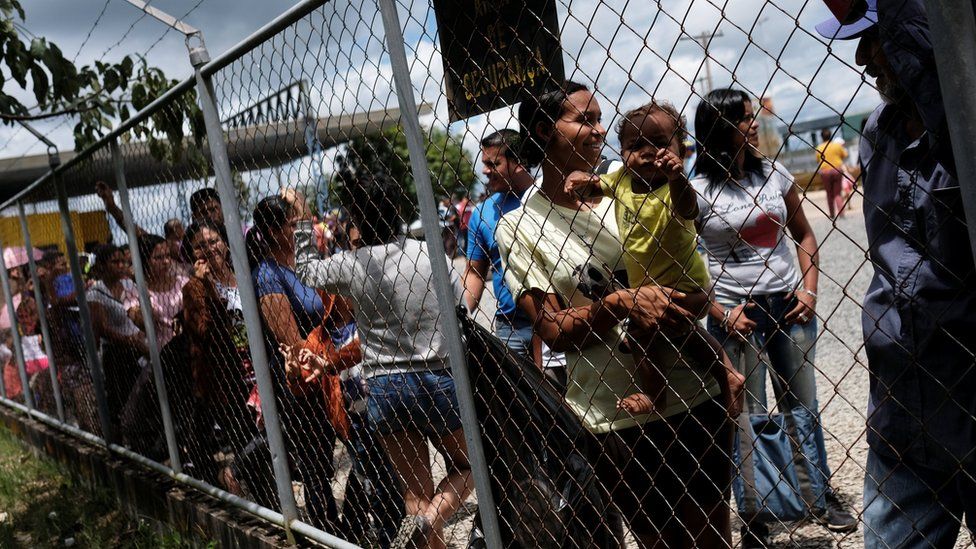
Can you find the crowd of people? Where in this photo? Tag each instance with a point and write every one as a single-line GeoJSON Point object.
{"type": "Point", "coordinates": [655, 302]}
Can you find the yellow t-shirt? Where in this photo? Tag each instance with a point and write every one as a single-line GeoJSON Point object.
{"type": "Point", "coordinates": [574, 255]}
{"type": "Point", "coordinates": [831, 155]}
{"type": "Point", "coordinates": [660, 248]}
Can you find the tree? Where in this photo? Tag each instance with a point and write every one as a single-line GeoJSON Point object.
{"type": "Point", "coordinates": [451, 167]}
{"type": "Point", "coordinates": [95, 94]}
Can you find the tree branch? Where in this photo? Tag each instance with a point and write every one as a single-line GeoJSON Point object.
{"type": "Point", "coordinates": [43, 116]}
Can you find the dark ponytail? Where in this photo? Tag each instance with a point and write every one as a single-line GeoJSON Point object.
{"type": "Point", "coordinates": [270, 215]}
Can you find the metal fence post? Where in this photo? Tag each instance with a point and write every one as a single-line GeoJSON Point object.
{"type": "Point", "coordinates": [242, 272]}
{"type": "Point", "coordinates": [41, 313]}
{"type": "Point", "coordinates": [952, 25]}
{"type": "Point", "coordinates": [87, 331]}
{"type": "Point", "coordinates": [440, 270]}
{"type": "Point", "coordinates": [146, 305]}
{"type": "Point", "coordinates": [15, 334]}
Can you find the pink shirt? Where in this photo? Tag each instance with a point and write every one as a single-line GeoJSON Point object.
{"type": "Point", "coordinates": [166, 306]}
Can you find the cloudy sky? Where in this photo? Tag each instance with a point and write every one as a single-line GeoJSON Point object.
{"type": "Point", "coordinates": [629, 50]}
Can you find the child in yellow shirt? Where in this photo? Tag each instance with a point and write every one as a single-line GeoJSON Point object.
{"type": "Point", "coordinates": [655, 207]}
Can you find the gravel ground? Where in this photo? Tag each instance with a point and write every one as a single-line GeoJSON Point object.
{"type": "Point", "coordinates": [842, 378]}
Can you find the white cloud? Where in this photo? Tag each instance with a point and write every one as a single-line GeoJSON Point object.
{"type": "Point", "coordinates": [629, 51]}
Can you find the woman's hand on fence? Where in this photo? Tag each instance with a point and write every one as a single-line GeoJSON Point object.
{"type": "Point", "coordinates": [804, 310]}
{"type": "Point", "coordinates": [105, 193]}
{"type": "Point", "coordinates": [201, 269]}
{"type": "Point", "coordinates": [738, 324]}
{"type": "Point", "coordinates": [298, 203]}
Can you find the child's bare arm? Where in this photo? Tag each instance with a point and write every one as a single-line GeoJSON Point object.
{"type": "Point", "coordinates": [585, 185]}
{"type": "Point", "coordinates": [683, 198]}
{"type": "Point", "coordinates": [697, 303]}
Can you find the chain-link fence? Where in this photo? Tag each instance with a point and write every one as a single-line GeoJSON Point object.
{"type": "Point", "coordinates": [666, 314]}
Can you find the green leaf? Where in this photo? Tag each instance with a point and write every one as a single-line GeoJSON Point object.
{"type": "Point", "coordinates": [125, 67]}
{"type": "Point", "coordinates": [41, 84]}
{"type": "Point", "coordinates": [111, 80]}
{"type": "Point", "coordinates": [18, 62]}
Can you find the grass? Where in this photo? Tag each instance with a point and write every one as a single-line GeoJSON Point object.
{"type": "Point", "coordinates": [41, 506]}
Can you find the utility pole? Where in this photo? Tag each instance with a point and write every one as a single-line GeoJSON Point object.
{"type": "Point", "coordinates": [703, 40]}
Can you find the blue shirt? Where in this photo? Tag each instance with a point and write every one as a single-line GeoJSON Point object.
{"type": "Point", "coordinates": [306, 304]}
{"type": "Point", "coordinates": [482, 245]}
{"type": "Point", "coordinates": [919, 316]}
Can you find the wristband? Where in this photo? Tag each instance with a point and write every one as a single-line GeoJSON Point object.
{"type": "Point", "coordinates": [808, 292]}
{"type": "Point", "coordinates": [725, 317]}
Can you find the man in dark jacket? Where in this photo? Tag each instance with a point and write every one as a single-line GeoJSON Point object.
{"type": "Point", "coordinates": [919, 315]}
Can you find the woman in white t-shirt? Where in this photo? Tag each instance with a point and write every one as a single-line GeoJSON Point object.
{"type": "Point", "coordinates": [762, 302]}
{"type": "Point", "coordinates": [121, 343]}
{"type": "Point", "coordinates": [667, 474]}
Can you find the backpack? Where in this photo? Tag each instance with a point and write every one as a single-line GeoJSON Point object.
{"type": "Point", "coordinates": [539, 455]}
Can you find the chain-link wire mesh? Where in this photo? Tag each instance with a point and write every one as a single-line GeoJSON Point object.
{"type": "Point", "coordinates": [641, 246]}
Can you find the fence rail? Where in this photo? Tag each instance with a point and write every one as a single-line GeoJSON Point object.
{"type": "Point", "coordinates": [273, 335]}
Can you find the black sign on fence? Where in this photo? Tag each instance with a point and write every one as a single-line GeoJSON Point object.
{"type": "Point", "coordinates": [497, 52]}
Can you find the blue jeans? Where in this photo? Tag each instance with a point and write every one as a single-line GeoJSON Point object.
{"type": "Point", "coordinates": [516, 333]}
{"type": "Point", "coordinates": [789, 351]}
{"type": "Point", "coordinates": [909, 505]}
{"type": "Point", "coordinates": [424, 402]}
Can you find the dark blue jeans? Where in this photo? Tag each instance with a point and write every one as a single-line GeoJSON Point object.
{"type": "Point", "coordinates": [907, 504]}
{"type": "Point", "coordinates": [516, 333]}
{"type": "Point", "coordinates": [788, 350]}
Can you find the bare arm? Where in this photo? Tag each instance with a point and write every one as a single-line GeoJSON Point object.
{"type": "Point", "coordinates": [279, 318]}
{"type": "Point", "coordinates": [807, 254]}
{"type": "Point", "coordinates": [313, 270]}
{"type": "Point", "coordinates": [650, 307]}
{"type": "Point", "coordinates": [697, 303]}
{"type": "Point", "coordinates": [105, 193]}
{"type": "Point", "coordinates": [585, 185]}
{"type": "Point", "coordinates": [475, 274]}
{"type": "Point", "coordinates": [683, 199]}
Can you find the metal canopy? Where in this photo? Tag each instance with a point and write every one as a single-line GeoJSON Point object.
{"type": "Point", "coordinates": [249, 148]}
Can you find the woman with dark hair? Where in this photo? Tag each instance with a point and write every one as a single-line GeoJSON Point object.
{"type": "Point", "coordinates": [412, 401]}
{"type": "Point", "coordinates": [668, 473]}
{"type": "Point", "coordinates": [165, 281]}
{"type": "Point", "coordinates": [763, 303]}
{"type": "Point", "coordinates": [290, 312]}
{"type": "Point", "coordinates": [122, 344]}
{"type": "Point", "coordinates": [220, 364]}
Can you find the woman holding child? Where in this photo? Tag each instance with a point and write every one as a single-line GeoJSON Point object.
{"type": "Point", "coordinates": [763, 303]}
{"type": "Point", "coordinates": [565, 263]}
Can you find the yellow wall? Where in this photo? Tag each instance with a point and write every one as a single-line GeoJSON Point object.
{"type": "Point", "coordinates": [45, 229]}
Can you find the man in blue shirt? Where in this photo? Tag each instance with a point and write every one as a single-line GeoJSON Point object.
{"type": "Point", "coordinates": [919, 316]}
{"type": "Point", "coordinates": [508, 180]}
